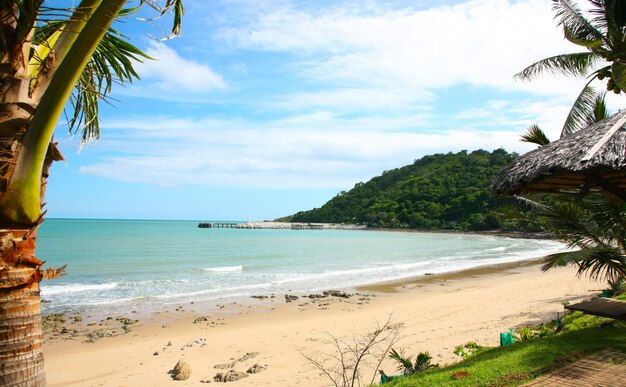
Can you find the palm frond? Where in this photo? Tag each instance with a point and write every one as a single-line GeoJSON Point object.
{"type": "Point", "coordinates": [582, 113]}
{"type": "Point", "coordinates": [422, 362]}
{"type": "Point", "coordinates": [535, 136]}
{"type": "Point", "coordinates": [576, 64]}
{"type": "Point", "coordinates": [404, 363]}
{"type": "Point", "coordinates": [568, 220]}
{"type": "Point", "coordinates": [605, 263]}
{"type": "Point", "coordinates": [600, 111]}
{"type": "Point", "coordinates": [618, 70]}
{"type": "Point", "coordinates": [576, 27]}
{"type": "Point", "coordinates": [171, 6]}
{"type": "Point", "coordinates": [611, 16]}
{"type": "Point", "coordinates": [111, 63]}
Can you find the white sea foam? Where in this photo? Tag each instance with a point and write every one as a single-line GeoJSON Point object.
{"type": "Point", "coordinates": [223, 269]}
{"type": "Point", "coordinates": [76, 288]}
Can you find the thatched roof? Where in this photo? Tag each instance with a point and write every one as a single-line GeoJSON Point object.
{"type": "Point", "coordinates": [592, 158]}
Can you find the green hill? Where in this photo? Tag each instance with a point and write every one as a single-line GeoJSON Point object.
{"type": "Point", "coordinates": [441, 191]}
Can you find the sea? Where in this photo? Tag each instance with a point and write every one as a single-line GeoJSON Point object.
{"type": "Point", "coordinates": [148, 265]}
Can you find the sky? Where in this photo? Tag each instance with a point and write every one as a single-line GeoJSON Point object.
{"type": "Point", "coordinates": [262, 108]}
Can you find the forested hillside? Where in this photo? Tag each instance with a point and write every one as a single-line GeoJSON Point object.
{"type": "Point", "coordinates": [438, 191]}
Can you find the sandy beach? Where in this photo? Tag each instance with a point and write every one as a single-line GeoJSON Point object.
{"type": "Point", "coordinates": [432, 313]}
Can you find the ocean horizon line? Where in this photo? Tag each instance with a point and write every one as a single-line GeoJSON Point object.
{"type": "Point", "coordinates": [150, 220]}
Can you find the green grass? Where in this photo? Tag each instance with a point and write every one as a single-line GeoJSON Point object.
{"type": "Point", "coordinates": [518, 363]}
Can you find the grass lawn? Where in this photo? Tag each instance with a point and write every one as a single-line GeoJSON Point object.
{"type": "Point", "coordinates": [518, 363]}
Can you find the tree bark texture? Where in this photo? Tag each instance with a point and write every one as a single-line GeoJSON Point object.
{"type": "Point", "coordinates": [21, 337]}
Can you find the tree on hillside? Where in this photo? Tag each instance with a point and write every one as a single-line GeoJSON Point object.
{"type": "Point", "coordinates": [601, 32]}
{"type": "Point", "coordinates": [435, 192]}
{"type": "Point", "coordinates": [48, 56]}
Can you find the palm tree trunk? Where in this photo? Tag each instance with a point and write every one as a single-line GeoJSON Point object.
{"type": "Point", "coordinates": [21, 337]}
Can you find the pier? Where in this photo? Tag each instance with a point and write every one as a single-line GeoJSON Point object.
{"type": "Point", "coordinates": [218, 225]}
{"type": "Point", "coordinates": [279, 226]}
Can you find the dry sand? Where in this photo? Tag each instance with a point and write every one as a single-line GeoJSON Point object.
{"type": "Point", "coordinates": [435, 314]}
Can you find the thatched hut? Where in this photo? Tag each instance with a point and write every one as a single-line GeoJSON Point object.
{"type": "Point", "coordinates": [590, 159]}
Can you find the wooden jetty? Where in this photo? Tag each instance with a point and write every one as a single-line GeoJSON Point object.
{"type": "Point", "coordinates": [217, 225]}
{"type": "Point", "coordinates": [265, 225]}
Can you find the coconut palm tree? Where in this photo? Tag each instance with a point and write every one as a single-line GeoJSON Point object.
{"type": "Point", "coordinates": [601, 32]}
{"type": "Point", "coordinates": [48, 56]}
{"type": "Point", "coordinates": [594, 225]}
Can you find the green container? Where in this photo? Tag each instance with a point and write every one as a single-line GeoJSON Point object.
{"type": "Point", "coordinates": [607, 293]}
{"type": "Point", "coordinates": [506, 338]}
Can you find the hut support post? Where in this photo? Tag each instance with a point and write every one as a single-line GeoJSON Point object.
{"type": "Point", "coordinates": [607, 185]}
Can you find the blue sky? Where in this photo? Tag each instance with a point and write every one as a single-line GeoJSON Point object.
{"type": "Point", "coordinates": [264, 108]}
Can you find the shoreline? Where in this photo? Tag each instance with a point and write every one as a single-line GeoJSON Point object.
{"type": "Point", "coordinates": [363, 279]}
{"type": "Point", "coordinates": [428, 278]}
{"type": "Point", "coordinates": [270, 299]}
{"type": "Point", "coordinates": [436, 313]}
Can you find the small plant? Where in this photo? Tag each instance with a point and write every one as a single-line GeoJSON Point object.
{"type": "Point", "coordinates": [524, 334]}
{"type": "Point", "coordinates": [471, 348]}
{"type": "Point", "coordinates": [405, 365]}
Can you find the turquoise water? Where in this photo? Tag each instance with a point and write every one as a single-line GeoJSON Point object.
{"type": "Point", "coordinates": [120, 264]}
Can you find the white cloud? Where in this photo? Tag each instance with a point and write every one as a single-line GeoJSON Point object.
{"type": "Point", "coordinates": [290, 153]}
{"type": "Point", "coordinates": [171, 73]}
{"type": "Point", "coordinates": [367, 96]}
{"type": "Point", "coordinates": [480, 42]}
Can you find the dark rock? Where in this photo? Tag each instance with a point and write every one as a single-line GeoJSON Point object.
{"type": "Point", "coordinates": [337, 293]}
{"type": "Point", "coordinates": [248, 356]}
{"type": "Point", "coordinates": [290, 297]}
{"type": "Point", "coordinates": [224, 366]}
{"type": "Point", "coordinates": [126, 321]}
{"type": "Point", "coordinates": [230, 376]}
{"type": "Point", "coordinates": [202, 319]}
{"type": "Point", "coordinates": [97, 335]}
{"type": "Point", "coordinates": [255, 369]}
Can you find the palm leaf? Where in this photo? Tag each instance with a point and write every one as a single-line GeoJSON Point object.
{"type": "Point", "coordinates": [597, 262]}
{"type": "Point", "coordinates": [576, 27]}
{"type": "Point", "coordinates": [618, 69]}
{"type": "Point", "coordinates": [111, 63]}
{"type": "Point", "coordinates": [576, 64]}
{"type": "Point", "coordinates": [600, 110]}
{"type": "Point", "coordinates": [582, 113]}
{"type": "Point", "coordinates": [171, 6]}
{"type": "Point", "coordinates": [422, 362]}
{"type": "Point", "coordinates": [404, 363]}
{"type": "Point", "coordinates": [569, 220]}
{"type": "Point", "coordinates": [535, 136]}
{"type": "Point", "coordinates": [610, 15]}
